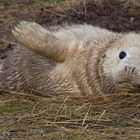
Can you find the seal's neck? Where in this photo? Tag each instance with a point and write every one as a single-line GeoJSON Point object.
{"type": "Point", "coordinates": [84, 73]}
{"type": "Point", "coordinates": [100, 81]}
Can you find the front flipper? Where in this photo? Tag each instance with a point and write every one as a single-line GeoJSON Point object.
{"type": "Point", "coordinates": [34, 37]}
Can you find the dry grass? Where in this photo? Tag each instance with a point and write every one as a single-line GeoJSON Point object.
{"type": "Point", "coordinates": [107, 117]}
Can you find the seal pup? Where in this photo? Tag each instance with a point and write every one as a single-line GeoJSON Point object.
{"type": "Point", "coordinates": [73, 60]}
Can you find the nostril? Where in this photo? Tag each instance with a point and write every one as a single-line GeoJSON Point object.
{"type": "Point", "coordinates": [133, 69]}
{"type": "Point", "coordinates": [125, 68]}
{"type": "Point", "coordinates": [130, 69]}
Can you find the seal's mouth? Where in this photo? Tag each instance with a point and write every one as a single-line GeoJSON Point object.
{"type": "Point", "coordinates": [128, 86]}
{"type": "Point", "coordinates": [137, 86]}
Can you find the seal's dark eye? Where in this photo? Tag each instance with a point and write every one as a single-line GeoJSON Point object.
{"type": "Point", "coordinates": [122, 55]}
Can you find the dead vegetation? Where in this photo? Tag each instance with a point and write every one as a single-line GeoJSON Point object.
{"type": "Point", "coordinates": [107, 117]}
{"type": "Point", "coordinates": [24, 116]}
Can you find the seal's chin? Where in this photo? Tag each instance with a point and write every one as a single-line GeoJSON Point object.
{"type": "Point", "coordinates": [128, 86]}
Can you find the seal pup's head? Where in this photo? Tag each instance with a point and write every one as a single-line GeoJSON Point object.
{"type": "Point", "coordinates": [122, 64]}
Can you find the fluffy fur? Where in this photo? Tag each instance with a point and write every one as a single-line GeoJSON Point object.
{"type": "Point", "coordinates": [74, 60]}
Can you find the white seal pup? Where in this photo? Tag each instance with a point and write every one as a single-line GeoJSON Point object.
{"type": "Point", "coordinates": [73, 60]}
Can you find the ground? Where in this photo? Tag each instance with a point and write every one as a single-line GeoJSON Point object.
{"type": "Point", "coordinates": [24, 116]}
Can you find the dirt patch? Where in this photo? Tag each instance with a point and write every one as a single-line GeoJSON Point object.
{"type": "Point", "coordinates": [114, 16]}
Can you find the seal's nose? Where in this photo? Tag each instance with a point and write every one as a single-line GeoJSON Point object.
{"type": "Point", "coordinates": [130, 69]}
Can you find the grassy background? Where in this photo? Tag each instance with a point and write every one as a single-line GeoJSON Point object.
{"type": "Point", "coordinates": [106, 117]}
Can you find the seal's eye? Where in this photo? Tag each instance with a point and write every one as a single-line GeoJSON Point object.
{"type": "Point", "coordinates": [122, 55]}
